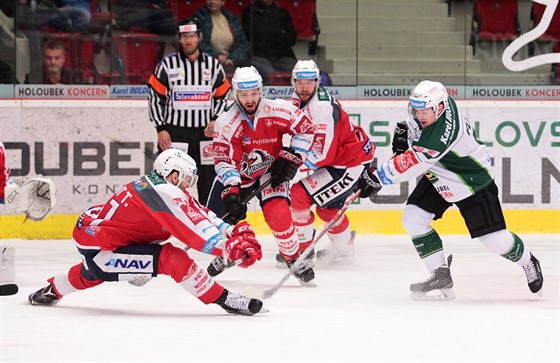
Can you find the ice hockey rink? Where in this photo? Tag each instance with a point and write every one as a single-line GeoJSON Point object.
{"type": "Point", "coordinates": [357, 313]}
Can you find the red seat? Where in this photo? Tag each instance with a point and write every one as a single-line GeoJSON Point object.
{"type": "Point", "coordinates": [494, 20]}
{"type": "Point", "coordinates": [184, 8]}
{"type": "Point", "coordinates": [302, 13]}
{"type": "Point", "coordinates": [280, 79]}
{"type": "Point", "coordinates": [553, 30]}
{"type": "Point", "coordinates": [99, 19]}
{"type": "Point", "coordinates": [236, 6]}
{"type": "Point", "coordinates": [138, 53]}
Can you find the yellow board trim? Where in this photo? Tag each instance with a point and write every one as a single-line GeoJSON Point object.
{"type": "Point", "coordinates": [59, 226]}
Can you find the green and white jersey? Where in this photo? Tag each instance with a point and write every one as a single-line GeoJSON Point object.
{"type": "Point", "coordinates": [447, 152]}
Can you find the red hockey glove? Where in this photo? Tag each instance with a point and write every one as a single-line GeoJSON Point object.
{"type": "Point", "coordinates": [368, 184]}
{"type": "Point", "coordinates": [236, 210]}
{"type": "Point", "coordinates": [243, 245]}
{"type": "Point", "coordinates": [285, 166]}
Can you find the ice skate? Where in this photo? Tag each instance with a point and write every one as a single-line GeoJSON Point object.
{"type": "Point", "coordinates": [303, 271]}
{"type": "Point", "coordinates": [281, 262]}
{"type": "Point", "coordinates": [534, 276]}
{"type": "Point", "coordinates": [45, 296]}
{"type": "Point", "coordinates": [440, 282]}
{"type": "Point", "coordinates": [338, 253]}
{"type": "Point", "coordinates": [235, 303]}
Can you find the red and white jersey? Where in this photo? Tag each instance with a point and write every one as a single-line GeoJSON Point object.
{"type": "Point", "coordinates": [337, 142]}
{"type": "Point", "coordinates": [244, 149]}
{"type": "Point", "coordinates": [150, 210]}
{"type": "Point", "coordinates": [4, 171]}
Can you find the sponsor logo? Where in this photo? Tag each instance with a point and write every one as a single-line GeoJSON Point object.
{"type": "Point", "coordinates": [335, 189]}
{"type": "Point", "coordinates": [208, 151]}
{"type": "Point", "coordinates": [248, 84]}
{"type": "Point", "coordinates": [432, 153]}
{"type": "Point", "coordinates": [404, 161]}
{"type": "Point", "coordinates": [128, 263]}
{"type": "Point", "coordinates": [191, 96]}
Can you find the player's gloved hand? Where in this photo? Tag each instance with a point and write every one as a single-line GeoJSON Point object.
{"type": "Point", "coordinates": [400, 139]}
{"type": "Point", "coordinates": [243, 245]}
{"type": "Point", "coordinates": [285, 166]}
{"type": "Point", "coordinates": [235, 210]}
{"type": "Point", "coordinates": [368, 184]}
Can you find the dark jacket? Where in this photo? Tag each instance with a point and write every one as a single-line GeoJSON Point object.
{"type": "Point", "coordinates": [239, 51]}
{"type": "Point", "coordinates": [270, 30]}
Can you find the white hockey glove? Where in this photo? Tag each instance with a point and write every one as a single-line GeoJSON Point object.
{"type": "Point", "coordinates": [35, 197]}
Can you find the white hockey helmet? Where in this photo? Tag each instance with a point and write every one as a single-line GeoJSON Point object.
{"type": "Point", "coordinates": [427, 94]}
{"type": "Point", "coordinates": [306, 69]}
{"type": "Point", "coordinates": [176, 160]}
{"type": "Point", "coordinates": [246, 78]}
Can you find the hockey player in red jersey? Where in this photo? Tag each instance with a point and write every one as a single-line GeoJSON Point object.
{"type": "Point", "coordinates": [338, 156]}
{"type": "Point", "coordinates": [248, 151]}
{"type": "Point", "coordinates": [120, 240]}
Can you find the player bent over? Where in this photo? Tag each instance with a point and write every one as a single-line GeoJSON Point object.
{"type": "Point", "coordinates": [118, 240]}
{"type": "Point", "coordinates": [438, 141]}
{"type": "Point", "coordinates": [34, 197]}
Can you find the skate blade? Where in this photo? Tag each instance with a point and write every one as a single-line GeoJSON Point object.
{"type": "Point", "coordinates": [336, 261]}
{"type": "Point", "coordinates": [308, 283]}
{"type": "Point", "coordinates": [281, 265]}
{"type": "Point", "coordinates": [441, 295]}
{"type": "Point", "coordinates": [540, 293]}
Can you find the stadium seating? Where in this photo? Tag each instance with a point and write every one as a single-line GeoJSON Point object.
{"type": "Point", "coordinates": [494, 20]}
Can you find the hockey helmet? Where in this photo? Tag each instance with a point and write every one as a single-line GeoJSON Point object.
{"type": "Point", "coordinates": [246, 78]}
{"type": "Point", "coordinates": [189, 25]}
{"type": "Point", "coordinates": [427, 94]}
{"type": "Point", "coordinates": [306, 69]}
{"type": "Point", "coordinates": [176, 160]}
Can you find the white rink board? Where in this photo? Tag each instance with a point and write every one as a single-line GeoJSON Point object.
{"type": "Point", "coordinates": [91, 148]}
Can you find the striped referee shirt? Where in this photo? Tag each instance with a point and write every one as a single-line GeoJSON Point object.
{"type": "Point", "coordinates": [176, 71]}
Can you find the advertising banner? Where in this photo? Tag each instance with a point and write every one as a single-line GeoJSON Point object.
{"type": "Point", "coordinates": [91, 152]}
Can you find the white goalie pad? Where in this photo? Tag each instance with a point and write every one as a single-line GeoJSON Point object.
{"type": "Point", "coordinates": [35, 197]}
{"type": "Point", "coordinates": [7, 264]}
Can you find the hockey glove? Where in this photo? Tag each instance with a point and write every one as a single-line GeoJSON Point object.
{"type": "Point", "coordinates": [368, 184]}
{"type": "Point", "coordinates": [285, 167]}
{"type": "Point", "coordinates": [400, 139]}
{"type": "Point", "coordinates": [243, 245]}
{"type": "Point", "coordinates": [235, 210]}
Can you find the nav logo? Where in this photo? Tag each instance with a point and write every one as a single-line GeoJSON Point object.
{"type": "Point", "coordinates": [128, 264]}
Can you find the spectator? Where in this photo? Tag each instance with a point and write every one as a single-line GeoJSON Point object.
{"type": "Point", "coordinates": [224, 39]}
{"type": "Point", "coordinates": [7, 75]}
{"type": "Point", "coordinates": [72, 16]}
{"type": "Point", "coordinates": [271, 33]}
{"type": "Point", "coordinates": [53, 66]}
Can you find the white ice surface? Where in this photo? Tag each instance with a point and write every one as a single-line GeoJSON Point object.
{"type": "Point", "coordinates": [361, 313]}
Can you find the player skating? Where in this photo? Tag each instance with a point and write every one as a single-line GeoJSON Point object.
{"type": "Point", "coordinates": [249, 153]}
{"type": "Point", "coordinates": [335, 161]}
{"type": "Point", "coordinates": [120, 240]}
{"type": "Point", "coordinates": [438, 142]}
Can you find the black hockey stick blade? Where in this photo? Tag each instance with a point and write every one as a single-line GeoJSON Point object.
{"type": "Point", "coordinates": [8, 289]}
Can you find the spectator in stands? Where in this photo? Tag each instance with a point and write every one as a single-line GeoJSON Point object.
{"type": "Point", "coordinates": [7, 76]}
{"type": "Point", "coordinates": [271, 33]}
{"type": "Point", "coordinates": [224, 37]}
{"type": "Point", "coordinates": [32, 15]}
{"type": "Point", "coordinates": [153, 16]}
{"type": "Point", "coordinates": [53, 66]}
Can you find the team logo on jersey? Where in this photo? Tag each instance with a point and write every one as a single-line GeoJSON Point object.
{"type": "Point", "coordinates": [140, 185]}
{"type": "Point", "coordinates": [206, 74]}
{"type": "Point", "coordinates": [405, 161]}
{"type": "Point", "coordinates": [255, 161]}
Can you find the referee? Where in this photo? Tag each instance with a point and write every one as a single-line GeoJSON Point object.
{"type": "Point", "coordinates": [187, 93]}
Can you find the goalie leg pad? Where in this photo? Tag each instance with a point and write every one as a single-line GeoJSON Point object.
{"type": "Point", "coordinates": [7, 265]}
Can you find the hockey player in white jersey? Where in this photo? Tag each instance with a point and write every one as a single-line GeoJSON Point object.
{"type": "Point", "coordinates": [438, 141]}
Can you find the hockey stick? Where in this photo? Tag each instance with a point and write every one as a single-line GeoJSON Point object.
{"type": "Point", "coordinates": [8, 289]}
{"type": "Point", "coordinates": [267, 293]}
